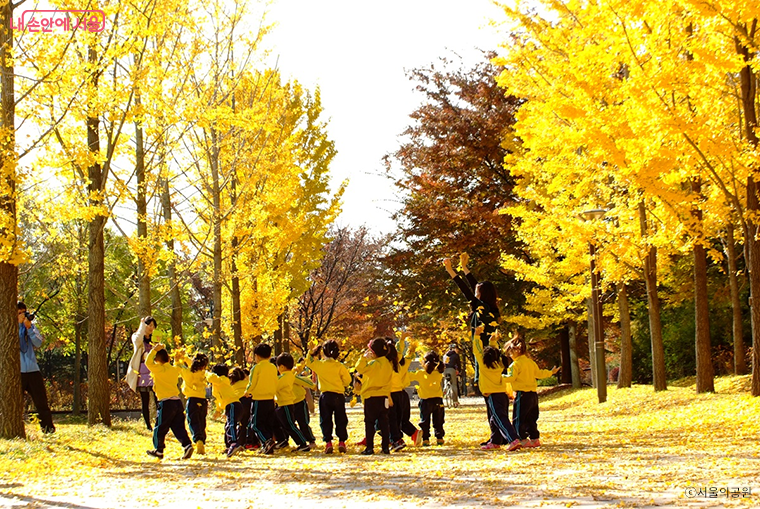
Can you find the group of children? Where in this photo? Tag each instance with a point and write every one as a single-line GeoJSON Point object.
{"type": "Point", "coordinates": [266, 407]}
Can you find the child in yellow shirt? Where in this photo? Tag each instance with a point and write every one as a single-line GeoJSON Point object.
{"type": "Point", "coordinates": [262, 386]}
{"type": "Point", "coordinates": [230, 388]}
{"type": "Point", "coordinates": [333, 378]}
{"type": "Point", "coordinates": [301, 384]}
{"type": "Point", "coordinates": [431, 397]}
{"type": "Point", "coordinates": [400, 412]}
{"type": "Point", "coordinates": [376, 371]}
{"type": "Point", "coordinates": [493, 386]}
{"type": "Point", "coordinates": [171, 415]}
{"type": "Point", "coordinates": [285, 401]}
{"type": "Point", "coordinates": [194, 389]}
{"type": "Point", "coordinates": [523, 373]}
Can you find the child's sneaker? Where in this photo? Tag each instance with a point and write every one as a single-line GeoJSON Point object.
{"type": "Point", "coordinates": [329, 447]}
{"type": "Point", "coordinates": [398, 445]}
{"type": "Point", "coordinates": [282, 444]}
{"type": "Point", "coordinates": [489, 446]}
{"type": "Point", "coordinates": [417, 438]}
{"type": "Point", "coordinates": [188, 452]}
{"type": "Point", "coordinates": [526, 442]}
{"type": "Point", "coordinates": [426, 443]}
{"type": "Point", "coordinates": [342, 447]}
{"type": "Point", "coordinates": [535, 443]}
{"type": "Point", "coordinates": [386, 450]}
{"type": "Point", "coordinates": [249, 447]}
{"type": "Point", "coordinates": [514, 445]}
{"type": "Point", "coordinates": [268, 447]}
{"type": "Point", "coordinates": [200, 447]}
{"type": "Point", "coordinates": [485, 443]}
{"type": "Point", "coordinates": [367, 452]}
{"type": "Point", "coordinates": [362, 442]}
{"type": "Point", "coordinates": [156, 454]}
{"type": "Point", "coordinates": [233, 450]}
{"type": "Point", "coordinates": [439, 441]}
{"type": "Point", "coordinates": [303, 448]}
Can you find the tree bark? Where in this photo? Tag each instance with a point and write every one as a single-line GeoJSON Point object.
{"type": "Point", "coordinates": [11, 401]}
{"type": "Point", "coordinates": [659, 378]}
{"type": "Point", "coordinates": [216, 332]}
{"type": "Point", "coordinates": [625, 375]}
{"type": "Point", "coordinates": [572, 331]}
{"type": "Point", "coordinates": [591, 340]}
{"type": "Point", "coordinates": [286, 330]}
{"type": "Point", "coordinates": [740, 362]}
{"type": "Point", "coordinates": [143, 272]}
{"type": "Point", "coordinates": [705, 377]}
{"type": "Point", "coordinates": [564, 349]}
{"type": "Point", "coordinates": [171, 269]}
{"type": "Point", "coordinates": [748, 93]}
{"type": "Point", "coordinates": [98, 407]}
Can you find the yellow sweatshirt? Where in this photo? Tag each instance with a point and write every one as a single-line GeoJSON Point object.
{"type": "Point", "coordinates": [332, 375]}
{"type": "Point", "coordinates": [430, 384]}
{"type": "Point", "coordinates": [284, 393]}
{"type": "Point", "coordinates": [523, 373]}
{"type": "Point", "coordinates": [193, 384]}
{"type": "Point", "coordinates": [491, 379]}
{"type": "Point", "coordinates": [165, 377]}
{"type": "Point", "coordinates": [300, 384]}
{"type": "Point", "coordinates": [262, 383]}
{"type": "Point", "coordinates": [376, 376]}
{"type": "Point", "coordinates": [225, 391]}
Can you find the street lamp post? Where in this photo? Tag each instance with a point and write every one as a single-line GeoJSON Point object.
{"type": "Point", "coordinates": [601, 368]}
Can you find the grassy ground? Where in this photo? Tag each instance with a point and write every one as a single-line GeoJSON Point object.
{"type": "Point", "coordinates": [639, 449]}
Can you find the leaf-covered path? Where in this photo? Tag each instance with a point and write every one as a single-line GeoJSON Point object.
{"type": "Point", "coordinates": [639, 449]}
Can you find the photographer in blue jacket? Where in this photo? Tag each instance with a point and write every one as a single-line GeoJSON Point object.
{"type": "Point", "coordinates": [31, 378]}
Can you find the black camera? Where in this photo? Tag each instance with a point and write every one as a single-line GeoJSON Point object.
{"type": "Point", "coordinates": [29, 316]}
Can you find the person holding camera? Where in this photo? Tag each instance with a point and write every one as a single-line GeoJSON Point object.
{"type": "Point", "coordinates": [31, 378]}
{"type": "Point", "coordinates": [138, 376]}
{"type": "Point", "coordinates": [453, 366]}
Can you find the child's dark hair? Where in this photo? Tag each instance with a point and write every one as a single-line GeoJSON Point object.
{"type": "Point", "coordinates": [162, 356]}
{"type": "Point", "coordinates": [263, 350]}
{"type": "Point", "coordinates": [379, 346]}
{"type": "Point", "coordinates": [285, 359]}
{"type": "Point", "coordinates": [492, 357]}
{"type": "Point", "coordinates": [200, 362]}
{"type": "Point", "coordinates": [221, 370]}
{"type": "Point", "coordinates": [331, 349]}
{"type": "Point", "coordinates": [236, 374]}
{"type": "Point", "coordinates": [392, 354]}
{"type": "Point", "coordinates": [433, 362]}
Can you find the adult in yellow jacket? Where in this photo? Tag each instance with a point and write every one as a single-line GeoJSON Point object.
{"type": "Point", "coordinates": [523, 373]}
{"type": "Point", "coordinates": [170, 414]}
{"type": "Point", "coordinates": [431, 397]}
{"type": "Point", "coordinates": [333, 378]}
{"type": "Point", "coordinates": [262, 386]}
{"type": "Point", "coordinates": [229, 389]}
{"type": "Point", "coordinates": [376, 371]}
{"type": "Point", "coordinates": [493, 385]}
{"type": "Point", "coordinates": [194, 388]}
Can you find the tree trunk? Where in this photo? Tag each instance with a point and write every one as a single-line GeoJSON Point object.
{"type": "Point", "coordinates": [97, 373]}
{"type": "Point", "coordinates": [705, 378]}
{"type": "Point", "coordinates": [749, 92]}
{"type": "Point", "coordinates": [143, 272]}
{"type": "Point", "coordinates": [564, 349]}
{"type": "Point", "coordinates": [286, 330]}
{"type": "Point", "coordinates": [77, 403]}
{"type": "Point", "coordinates": [216, 327]}
{"type": "Point", "coordinates": [591, 340]}
{"type": "Point", "coordinates": [171, 269]}
{"type": "Point", "coordinates": [625, 375]}
{"type": "Point", "coordinates": [653, 303]}
{"type": "Point", "coordinates": [572, 331]}
{"type": "Point", "coordinates": [11, 401]}
{"type": "Point", "coordinates": [278, 337]}
{"type": "Point", "coordinates": [740, 362]}
{"type": "Point", "coordinates": [237, 325]}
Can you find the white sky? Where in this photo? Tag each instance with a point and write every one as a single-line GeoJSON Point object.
{"type": "Point", "coordinates": [357, 52]}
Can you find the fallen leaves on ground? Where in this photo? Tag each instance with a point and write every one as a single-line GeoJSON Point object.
{"type": "Point", "coordinates": [639, 449]}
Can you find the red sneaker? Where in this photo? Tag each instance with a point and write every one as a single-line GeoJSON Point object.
{"type": "Point", "coordinates": [514, 445]}
{"type": "Point", "coordinates": [342, 447]}
{"type": "Point", "coordinates": [489, 446]}
{"type": "Point", "coordinates": [417, 438]}
{"type": "Point", "coordinates": [363, 442]}
{"type": "Point", "coordinates": [328, 448]}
